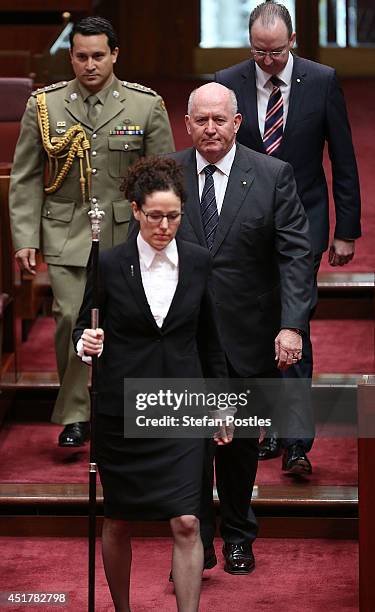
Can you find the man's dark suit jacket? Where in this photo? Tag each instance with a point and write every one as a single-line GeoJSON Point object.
{"type": "Point", "coordinates": [262, 260]}
{"type": "Point", "coordinates": [317, 114]}
{"type": "Point", "coordinates": [186, 346]}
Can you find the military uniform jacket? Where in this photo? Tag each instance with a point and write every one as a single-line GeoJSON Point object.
{"type": "Point", "coordinates": [58, 224]}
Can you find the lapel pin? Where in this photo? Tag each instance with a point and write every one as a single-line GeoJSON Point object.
{"type": "Point", "coordinates": [73, 96]}
{"type": "Point", "coordinates": [115, 94]}
{"type": "Point", "coordinates": [132, 270]}
{"type": "Point", "coordinates": [298, 80]}
{"type": "Point", "coordinates": [244, 183]}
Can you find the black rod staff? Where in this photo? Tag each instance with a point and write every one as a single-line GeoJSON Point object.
{"type": "Point", "coordinates": [96, 216]}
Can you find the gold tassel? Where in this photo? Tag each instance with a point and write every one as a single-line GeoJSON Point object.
{"type": "Point", "coordinates": [79, 144]}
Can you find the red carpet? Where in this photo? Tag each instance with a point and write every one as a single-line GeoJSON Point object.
{"type": "Point", "coordinates": [37, 354]}
{"type": "Point", "coordinates": [340, 346]}
{"type": "Point", "coordinates": [291, 576]}
{"type": "Point", "coordinates": [346, 346]}
{"type": "Point", "coordinates": [29, 454]}
{"type": "Point", "coordinates": [360, 98]}
{"type": "Point", "coordinates": [334, 462]}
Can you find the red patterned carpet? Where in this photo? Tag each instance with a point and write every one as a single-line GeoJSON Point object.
{"type": "Point", "coordinates": [290, 576]}
{"type": "Point", "coordinates": [29, 454]}
{"type": "Point", "coordinates": [345, 346]}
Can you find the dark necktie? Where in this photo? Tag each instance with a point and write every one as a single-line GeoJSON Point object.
{"type": "Point", "coordinates": [273, 127]}
{"type": "Point", "coordinates": [210, 217]}
{"type": "Point", "coordinates": [93, 108]}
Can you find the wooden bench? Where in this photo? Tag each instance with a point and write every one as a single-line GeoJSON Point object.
{"type": "Point", "coordinates": [31, 293]}
{"type": "Point", "coordinates": [346, 295]}
{"type": "Point", "coordinates": [14, 93]}
{"type": "Point", "coordinates": [366, 493]}
{"type": "Point", "coordinates": [8, 341]}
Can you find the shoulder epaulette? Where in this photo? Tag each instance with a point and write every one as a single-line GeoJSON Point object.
{"type": "Point", "coordinates": [48, 88]}
{"type": "Point", "coordinates": [139, 87]}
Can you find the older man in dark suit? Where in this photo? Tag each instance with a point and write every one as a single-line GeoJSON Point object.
{"type": "Point", "coordinates": [291, 107]}
{"type": "Point", "coordinates": [244, 208]}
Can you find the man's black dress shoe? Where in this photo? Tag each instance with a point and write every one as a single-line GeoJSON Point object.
{"type": "Point", "coordinates": [295, 460]}
{"type": "Point", "coordinates": [270, 447]}
{"type": "Point", "coordinates": [75, 434]}
{"type": "Point", "coordinates": [239, 558]}
{"type": "Point", "coordinates": [210, 560]}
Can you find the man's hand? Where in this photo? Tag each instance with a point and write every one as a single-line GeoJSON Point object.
{"type": "Point", "coordinates": [92, 340]}
{"type": "Point", "coordinates": [224, 435]}
{"type": "Point", "coordinates": [26, 260]}
{"type": "Point", "coordinates": [288, 348]}
{"type": "Point", "coordinates": [341, 252]}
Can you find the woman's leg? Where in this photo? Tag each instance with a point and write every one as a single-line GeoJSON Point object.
{"type": "Point", "coordinates": [117, 558]}
{"type": "Point", "coordinates": [187, 562]}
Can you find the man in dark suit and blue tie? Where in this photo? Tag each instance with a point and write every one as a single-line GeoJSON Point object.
{"type": "Point", "coordinates": [243, 206]}
{"type": "Point", "coordinates": [292, 107]}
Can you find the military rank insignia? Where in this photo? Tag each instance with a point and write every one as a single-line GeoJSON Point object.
{"type": "Point", "coordinates": [61, 127]}
{"type": "Point", "coordinates": [126, 130]}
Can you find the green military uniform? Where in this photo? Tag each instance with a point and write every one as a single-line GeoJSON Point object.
{"type": "Point", "coordinates": [133, 122]}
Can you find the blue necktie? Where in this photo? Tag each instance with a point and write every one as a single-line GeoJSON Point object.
{"type": "Point", "coordinates": [273, 127]}
{"type": "Point", "coordinates": [210, 217]}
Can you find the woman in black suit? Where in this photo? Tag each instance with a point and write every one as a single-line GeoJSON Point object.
{"type": "Point", "coordinates": [157, 321]}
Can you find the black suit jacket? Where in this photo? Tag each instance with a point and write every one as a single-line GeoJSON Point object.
{"type": "Point", "coordinates": [316, 115]}
{"type": "Point", "coordinates": [186, 346]}
{"type": "Point", "coordinates": [262, 260]}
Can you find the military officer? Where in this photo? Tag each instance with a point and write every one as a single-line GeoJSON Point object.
{"type": "Point", "coordinates": [86, 132]}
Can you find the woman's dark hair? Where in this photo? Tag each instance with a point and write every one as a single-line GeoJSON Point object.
{"type": "Point", "coordinates": [150, 174]}
{"type": "Point", "coordinates": [91, 26]}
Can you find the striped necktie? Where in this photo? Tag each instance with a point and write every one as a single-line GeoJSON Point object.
{"type": "Point", "coordinates": [273, 127]}
{"type": "Point", "coordinates": [210, 217]}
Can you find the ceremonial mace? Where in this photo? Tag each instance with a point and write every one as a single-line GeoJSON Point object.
{"type": "Point", "coordinates": [96, 216]}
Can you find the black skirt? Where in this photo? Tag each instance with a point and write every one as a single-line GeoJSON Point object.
{"type": "Point", "coordinates": [147, 479]}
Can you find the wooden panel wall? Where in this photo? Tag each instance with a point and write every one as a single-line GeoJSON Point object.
{"type": "Point", "coordinates": [156, 38]}
{"type": "Point", "coordinates": [43, 5]}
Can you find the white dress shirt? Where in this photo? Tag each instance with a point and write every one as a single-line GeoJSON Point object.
{"type": "Point", "coordinates": [220, 176]}
{"type": "Point", "coordinates": [159, 271]}
{"type": "Point", "coordinates": [264, 88]}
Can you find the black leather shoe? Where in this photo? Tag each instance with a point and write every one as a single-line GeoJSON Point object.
{"type": "Point", "coordinates": [210, 560]}
{"type": "Point", "coordinates": [270, 447]}
{"type": "Point", "coordinates": [239, 558]}
{"type": "Point", "coordinates": [295, 460]}
{"type": "Point", "coordinates": [74, 434]}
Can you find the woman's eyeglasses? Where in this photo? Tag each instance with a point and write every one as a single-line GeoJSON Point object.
{"type": "Point", "coordinates": [155, 218]}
